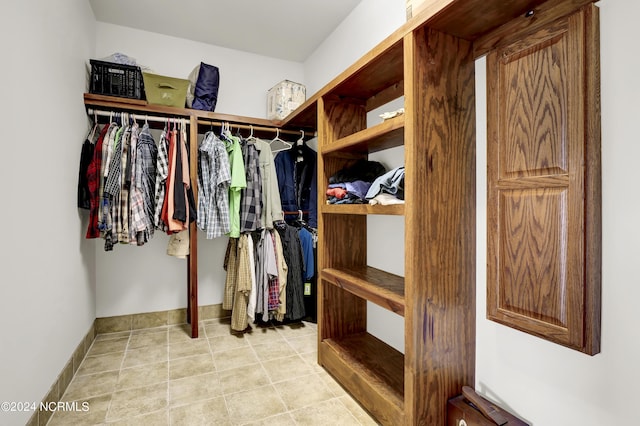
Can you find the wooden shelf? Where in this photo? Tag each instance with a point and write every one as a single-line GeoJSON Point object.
{"type": "Point", "coordinates": [363, 209]}
{"type": "Point", "coordinates": [380, 287]}
{"type": "Point", "coordinates": [388, 134]}
{"type": "Point", "coordinates": [369, 369]}
{"type": "Point", "coordinates": [142, 106]}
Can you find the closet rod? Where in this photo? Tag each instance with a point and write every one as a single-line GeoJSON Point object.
{"type": "Point", "coordinates": [160, 119]}
{"type": "Point", "coordinates": [250, 126]}
{"type": "Point", "coordinates": [141, 117]}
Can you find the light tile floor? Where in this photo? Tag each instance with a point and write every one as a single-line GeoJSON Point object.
{"type": "Point", "coordinates": [160, 376]}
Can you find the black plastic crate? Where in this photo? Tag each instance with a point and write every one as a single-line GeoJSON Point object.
{"type": "Point", "coordinates": [108, 78]}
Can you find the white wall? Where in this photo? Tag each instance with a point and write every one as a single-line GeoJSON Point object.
{"type": "Point", "coordinates": [367, 25]}
{"type": "Point", "coordinates": [245, 78]}
{"type": "Point", "coordinates": [47, 290]}
{"type": "Point", "coordinates": [544, 383]}
{"type": "Point", "coordinates": [145, 279]}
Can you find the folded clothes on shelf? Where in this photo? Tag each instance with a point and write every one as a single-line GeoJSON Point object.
{"type": "Point", "coordinates": [391, 182]}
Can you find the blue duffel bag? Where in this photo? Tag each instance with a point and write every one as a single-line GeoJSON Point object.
{"type": "Point", "coordinates": [205, 90]}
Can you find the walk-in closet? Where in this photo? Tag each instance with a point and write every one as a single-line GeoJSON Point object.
{"type": "Point", "coordinates": [351, 212]}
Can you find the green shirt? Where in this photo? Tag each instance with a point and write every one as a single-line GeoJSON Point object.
{"type": "Point", "coordinates": [238, 182]}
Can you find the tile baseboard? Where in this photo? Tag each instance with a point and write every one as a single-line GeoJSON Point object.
{"type": "Point", "coordinates": [113, 325]}
{"type": "Point", "coordinates": [41, 417]}
{"type": "Point", "coordinates": [156, 319]}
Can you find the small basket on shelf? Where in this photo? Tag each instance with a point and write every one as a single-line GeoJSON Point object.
{"type": "Point", "coordinates": [111, 79]}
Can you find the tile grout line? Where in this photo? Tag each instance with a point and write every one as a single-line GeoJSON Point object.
{"type": "Point", "coordinates": [124, 356]}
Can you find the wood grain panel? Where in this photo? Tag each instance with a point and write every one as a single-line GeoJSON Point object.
{"type": "Point", "coordinates": [543, 183]}
{"type": "Point", "coordinates": [388, 134]}
{"type": "Point", "coordinates": [533, 254]}
{"type": "Point", "coordinates": [543, 15]}
{"type": "Point", "coordinates": [455, 20]}
{"type": "Point", "coordinates": [440, 257]}
{"type": "Point", "coordinates": [370, 370]}
{"type": "Point", "coordinates": [372, 284]}
{"type": "Point", "coordinates": [593, 182]}
{"type": "Point", "coordinates": [343, 313]}
{"type": "Point", "coordinates": [536, 95]}
{"type": "Point", "coordinates": [394, 209]}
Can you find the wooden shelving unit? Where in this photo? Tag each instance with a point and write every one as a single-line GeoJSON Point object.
{"type": "Point", "coordinates": [431, 62]}
{"type": "Point", "coordinates": [380, 287]}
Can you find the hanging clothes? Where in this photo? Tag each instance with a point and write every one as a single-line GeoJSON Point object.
{"type": "Point", "coordinates": [266, 271]}
{"type": "Point", "coordinates": [134, 195]}
{"type": "Point", "coordinates": [253, 300]}
{"type": "Point", "coordinates": [297, 181]}
{"type": "Point", "coordinates": [306, 244]}
{"type": "Point", "coordinates": [167, 205]}
{"type": "Point", "coordinates": [271, 203]}
{"type": "Point", "coordinates": [144, 186]}
{"type": "Point", "coordinates": [93, 184]}
{"type": "Point", "coordinates": [178, 212]}
{"type": "Point", "coordinates": [238, 182]}
{"type": "Point", "coordinates": [283, 271]}
{"type": "Point", "coordinates": [125, 185]}
{"type": "Point", "coordinates": [162, 172]}
{"type": "Point", "coordinates": [251, 195]}
{"type": "Point", "coordinates": [214, 178]}
{"type": "Point", "coordinates": [293, 256]}
{"type": "Point", "coordinates": [238, 281]}
{"type": "Point", "coordinates": [111, 197]}
{"type": "Point", "coordinates": [86, 156]}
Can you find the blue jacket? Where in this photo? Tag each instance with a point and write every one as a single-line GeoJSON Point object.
{"type": "Point", "coordinates": [297, 182]}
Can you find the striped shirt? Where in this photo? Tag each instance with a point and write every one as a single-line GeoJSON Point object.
{"type": "Point", "coordinates": [162, 172]}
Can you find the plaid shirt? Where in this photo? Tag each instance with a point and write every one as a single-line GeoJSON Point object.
{"type": "Point", "coordinates": [274, 285]}
{"type": "Point", "coordinates": [122, 226]}
{"type": "Point", "coordinates": [112, 188]}
{"type": "Point", "coordinates": [214, 177]}
{"type": "Point", "coordinates": [104, 218]}
{"type": "Point", "coordinates": [142, 194]}
{"type": "Point", "coordinates": [93, 183]}
{"type": "Point", "coordinates": [134, 199]}
{"type": "Point", "coordinates": [251, 196]}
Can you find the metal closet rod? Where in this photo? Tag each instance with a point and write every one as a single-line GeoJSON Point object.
{"type": "Point", "coordinates": [159, 119]}
{"type": "Point", "coordinates": [154, 118]}
{"type": "Point", "coordinates": [259, 128]}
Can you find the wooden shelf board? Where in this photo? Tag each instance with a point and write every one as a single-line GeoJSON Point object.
{"type": "Point", "coordinates": [388, 134]}
{"type": "Point", "coordinates": [383, 69]}
{"type": "Point", "coordinates": [363, 209]}
{"type": "Point", "coordinates": [371, 370]}
{"type": "Point", "coordinates": [380, 287]}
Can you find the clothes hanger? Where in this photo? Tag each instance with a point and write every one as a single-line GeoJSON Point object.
{"type": "Point", "coordinates": [251, 138]}
{"type": "Point", "coordinates": [92, 132]}
{"type": "Point", "coordinates": [299, 144]}
{"type": "Point", "coordinates": [278, 144]}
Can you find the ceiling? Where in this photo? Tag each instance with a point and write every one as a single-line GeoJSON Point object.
{"type": "Point", "coordinates": [285, 29]}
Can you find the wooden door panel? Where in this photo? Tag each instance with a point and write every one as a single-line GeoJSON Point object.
{"type": "Point", "coordinates": [535, 94]}
{"type": "Point", "coordinates": [538, 201]}
{"type": "Point", "coordinates": [534, 254]}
